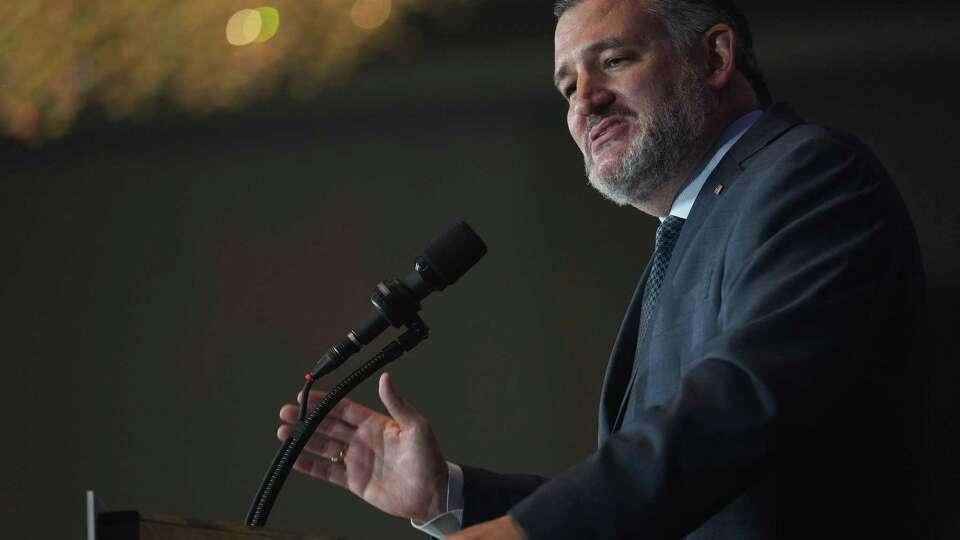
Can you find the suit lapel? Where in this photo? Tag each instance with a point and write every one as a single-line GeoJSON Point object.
{"type": "Point", "coordinates": [621, 361]}
{"type": "Point", "coordinates": [778, 119]}
{"type": "Point", "coordinates": [626, 351]}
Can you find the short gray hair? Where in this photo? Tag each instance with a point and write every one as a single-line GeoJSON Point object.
{"type": "Point", "coordinates": [687, 20]}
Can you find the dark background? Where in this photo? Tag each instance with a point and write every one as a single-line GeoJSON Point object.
{"type": "Point", "coordinates": [167, 281]}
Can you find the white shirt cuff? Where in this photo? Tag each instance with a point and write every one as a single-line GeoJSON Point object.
{"type": "Point", "coordinates": [442, 525]}
{"type": "Point", "coordinates": [450, 521]}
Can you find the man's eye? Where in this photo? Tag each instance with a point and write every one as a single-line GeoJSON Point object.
{"type": "Point", "coordinates": [614, 62]}
{"type": "Point", "coordinates": [568, 91]}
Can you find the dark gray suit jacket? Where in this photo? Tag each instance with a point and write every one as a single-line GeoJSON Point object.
{"type": "Point", "coordinates": [781, 391]}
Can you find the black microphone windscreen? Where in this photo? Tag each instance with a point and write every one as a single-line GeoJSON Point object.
{"type": "Point", "coordinates": [454, 252]}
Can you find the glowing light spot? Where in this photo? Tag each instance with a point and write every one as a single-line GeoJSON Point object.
{"type": "Point", "coordinates": [269, 23]}
{"type": "Point", "coordinates": [370, 14]}
{"type": "Point", "coordinates": [244, 27]}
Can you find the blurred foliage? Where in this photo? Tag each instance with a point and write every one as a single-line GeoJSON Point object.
{"type": "Point", "coordinates": [58, 56]}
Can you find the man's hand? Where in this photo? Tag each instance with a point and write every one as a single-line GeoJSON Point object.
{"type": "Point", "coordinates": [504, 528]}
{"type": "Point", "coordinates": [392, 463]}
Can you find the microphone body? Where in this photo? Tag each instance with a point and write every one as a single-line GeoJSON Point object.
{"type": "Point", "coordinates": [396, 302]}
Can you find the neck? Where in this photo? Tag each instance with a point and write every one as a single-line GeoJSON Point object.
{"type": "Point", "coordinates": [660, 203]}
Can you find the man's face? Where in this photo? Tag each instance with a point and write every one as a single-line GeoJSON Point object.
{"type": "Point", "coordinates": [636, 108]}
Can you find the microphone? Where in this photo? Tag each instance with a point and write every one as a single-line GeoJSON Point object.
{"type": "Point", "coordinates": [397, 302]}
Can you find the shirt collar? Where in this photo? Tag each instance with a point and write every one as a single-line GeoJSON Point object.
{"type": "Point", "coordinates": [688, 195]}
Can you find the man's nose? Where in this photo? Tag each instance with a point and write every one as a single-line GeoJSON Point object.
{"type": "Point", "coordinates": [591, 98]}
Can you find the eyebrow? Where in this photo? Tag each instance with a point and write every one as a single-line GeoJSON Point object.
{"type": "Point", "coordinates": [593, 48]}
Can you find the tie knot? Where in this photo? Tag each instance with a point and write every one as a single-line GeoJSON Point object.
{"type": "Point", "coordinates": [668, 232]}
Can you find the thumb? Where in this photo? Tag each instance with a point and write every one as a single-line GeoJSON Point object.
{"type": "Point", "coordinates": [399, 409]}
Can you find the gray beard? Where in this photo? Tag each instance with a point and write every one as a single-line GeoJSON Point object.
{"type": "Point", "coordinates": [671, 139]}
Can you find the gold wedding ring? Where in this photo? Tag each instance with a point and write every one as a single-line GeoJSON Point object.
{"type": "Point", "coordinates": [339, 457]}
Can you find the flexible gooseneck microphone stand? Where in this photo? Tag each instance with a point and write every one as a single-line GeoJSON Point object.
{"type": "Point", "coordinates": [395, 303]}
{"type": "Point", "coordinates": [273, 481]}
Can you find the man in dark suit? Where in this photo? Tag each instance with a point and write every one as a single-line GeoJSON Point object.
{"type": "Point", "coordinates": [767, 381]}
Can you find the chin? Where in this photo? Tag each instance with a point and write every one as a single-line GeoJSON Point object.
{"type": "Point", "coordinates": [610, 164]}
{"type": "Point", "coordinates": [624, 182]}
{"type": "Point", "coordinates": [615, 192]}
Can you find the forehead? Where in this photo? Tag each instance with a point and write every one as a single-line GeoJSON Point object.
{"type": "Point", "coordinates": [592, 21]}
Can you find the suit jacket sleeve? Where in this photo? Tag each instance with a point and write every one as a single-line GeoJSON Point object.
{"type": "Point", "coordinates": [488, 495]}
{"type": "Point", "coordinates": [813, 271]}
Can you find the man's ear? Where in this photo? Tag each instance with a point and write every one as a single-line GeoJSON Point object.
{"type": "Point", "coordinates": [720, 47]}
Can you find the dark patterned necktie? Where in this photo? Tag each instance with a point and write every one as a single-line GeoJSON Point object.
{"type": "Point", "coordinates": [667, 234]}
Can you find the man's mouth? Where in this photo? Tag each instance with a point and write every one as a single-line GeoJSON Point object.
{"type": "Point", "coordinates": [605, 131]}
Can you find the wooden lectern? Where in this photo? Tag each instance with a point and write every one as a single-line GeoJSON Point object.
{"type": "Point", "coordinates": [138, 526]}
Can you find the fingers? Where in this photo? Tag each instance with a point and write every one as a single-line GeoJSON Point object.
{"type": "Point", "coordinates": [399, 409]}
{"type": "Point", "coordinates": [322, 468]}
{"type": "Point", "coordinates": [339, 431]}
{"type": "Point", "coordinates": [288, 413]}
{"type": "Point", "coordinates": [349, 411]}
{"type": "Point", "coordinates": [323, 445]}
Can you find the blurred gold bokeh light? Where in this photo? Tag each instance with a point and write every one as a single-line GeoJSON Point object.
{"type": "Point", "coordinates": [244, 27]}
{"type": "Point", "coordinates": [59, 56]}
{"type": "Point", "coordinates": [370, 14]}
{"type": "Point", "coordinates": [252, 26]}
